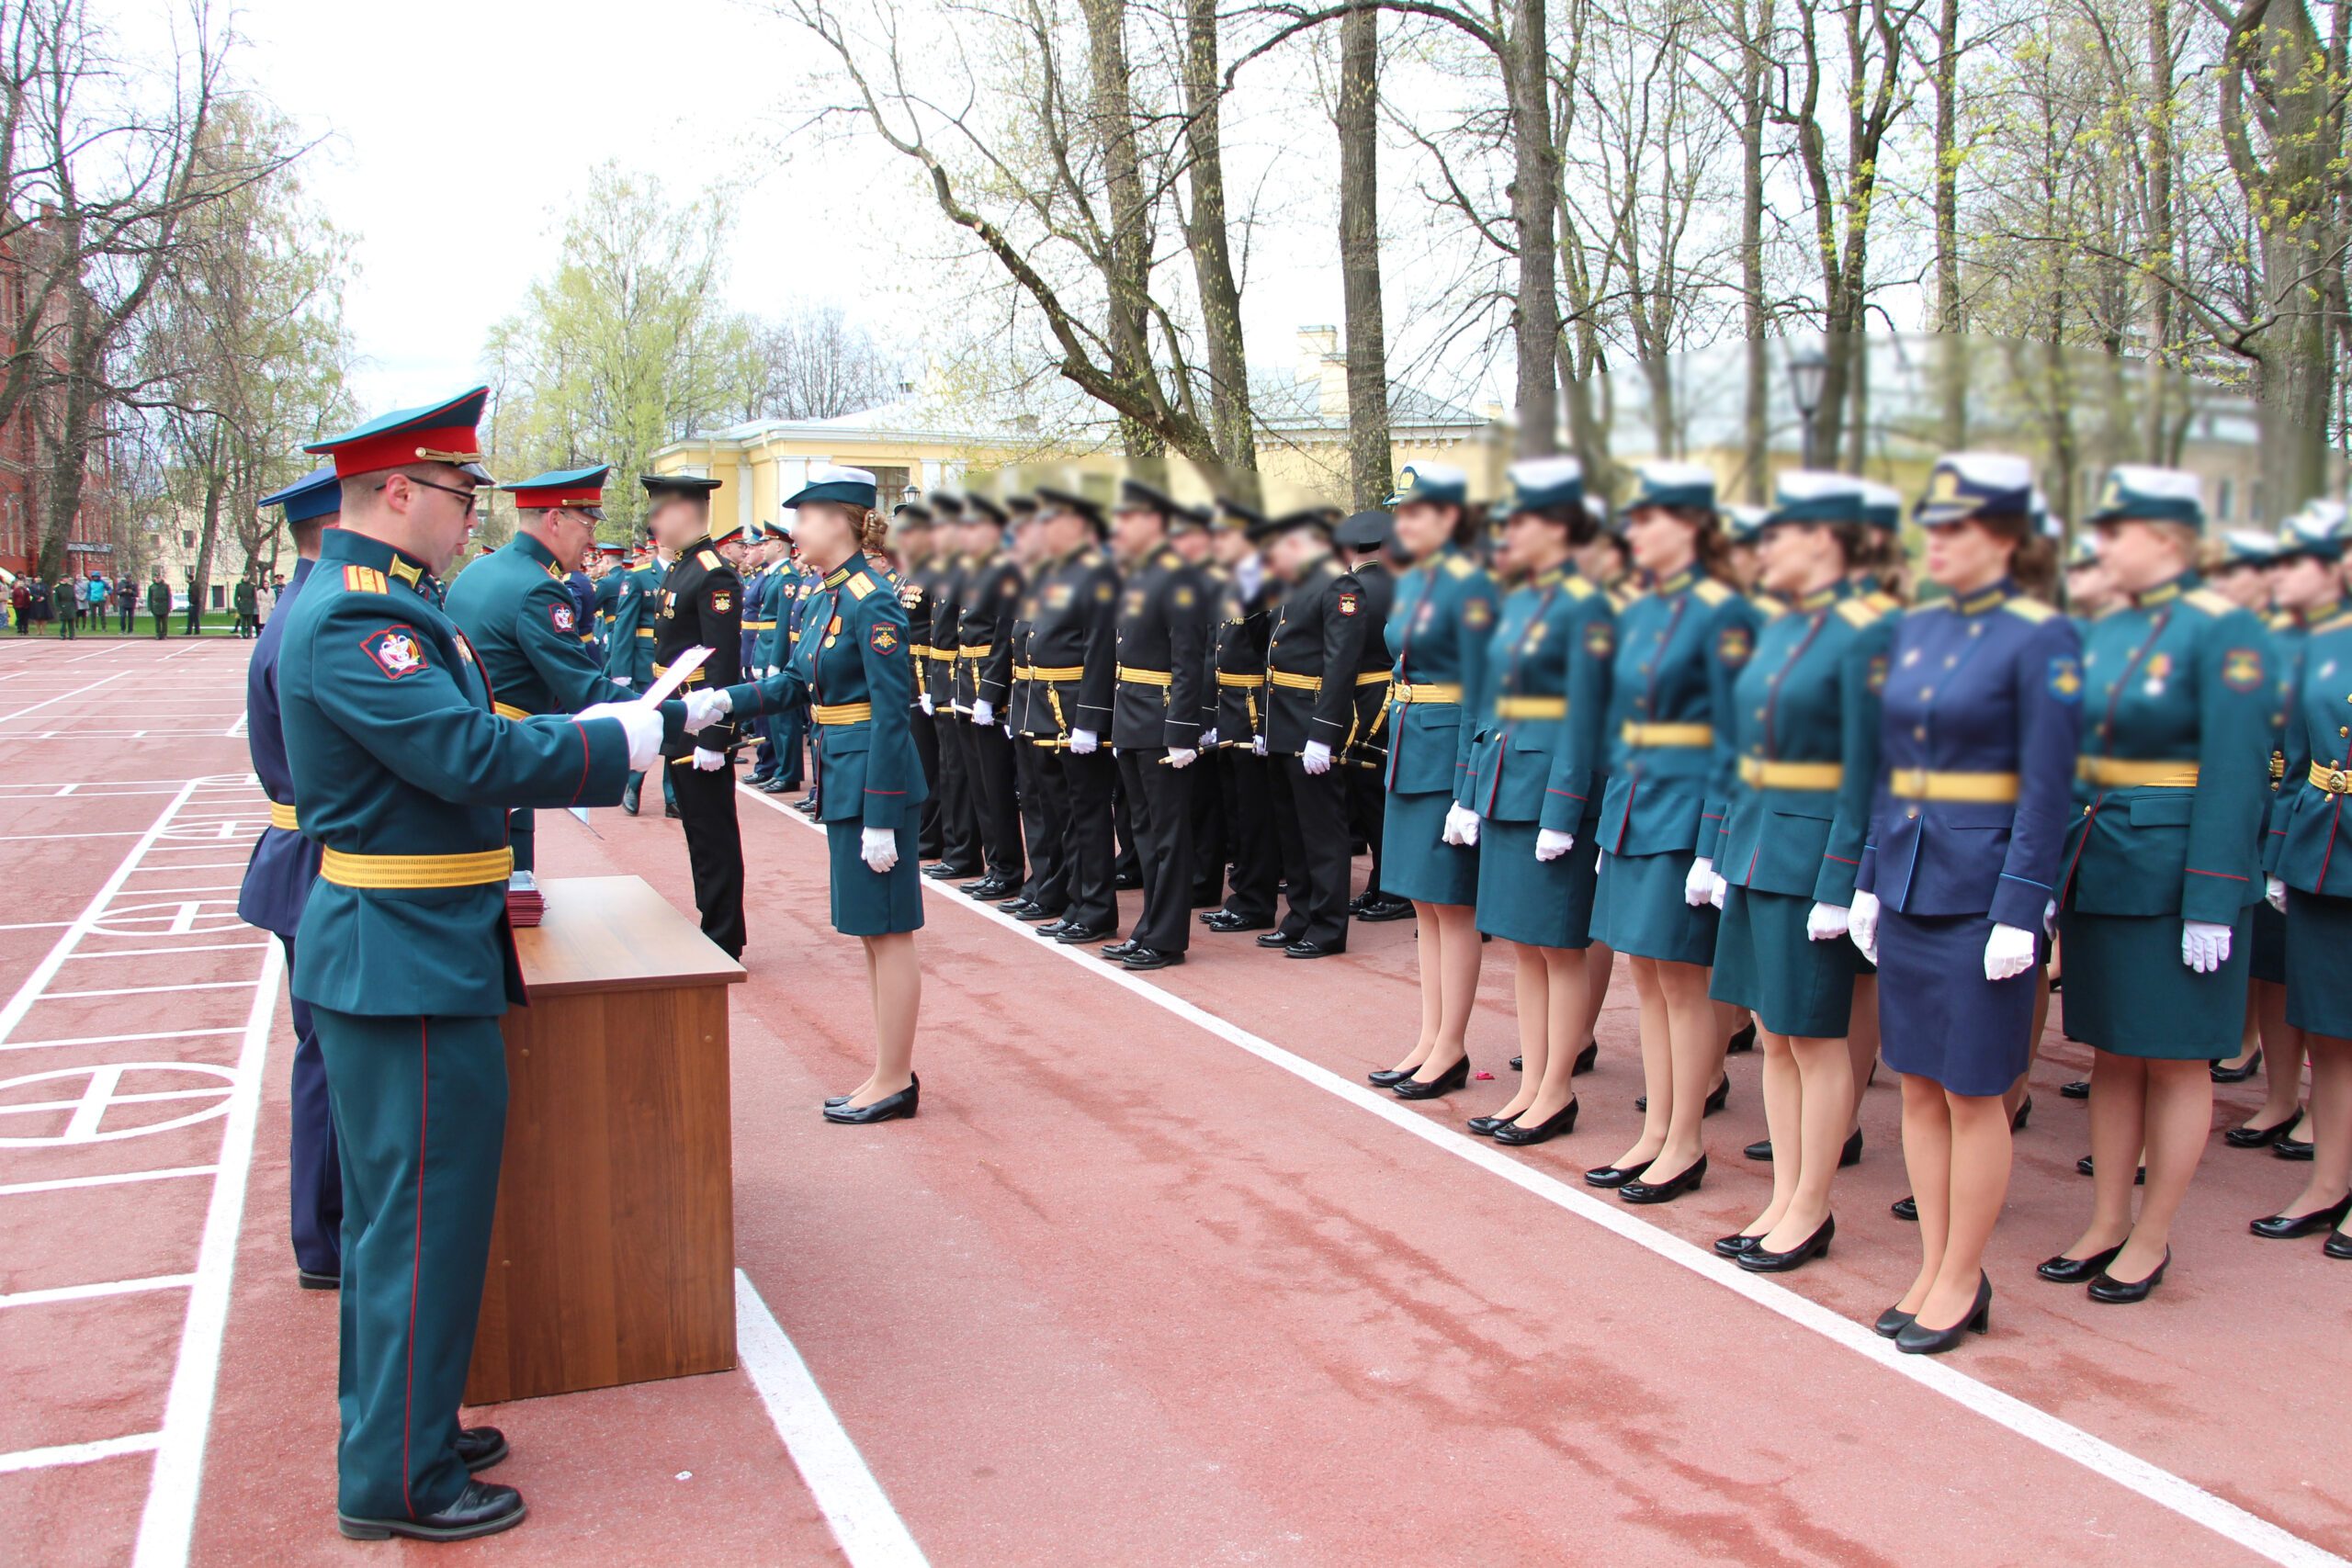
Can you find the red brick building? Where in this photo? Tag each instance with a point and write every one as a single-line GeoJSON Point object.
{"type": "Point", "coordinates": [24, 469]}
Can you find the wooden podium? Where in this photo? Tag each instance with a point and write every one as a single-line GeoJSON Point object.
{"type": "Point", "coordinates": [612, 1259]}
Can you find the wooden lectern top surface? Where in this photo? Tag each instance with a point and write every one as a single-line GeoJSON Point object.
{"type": "Point", "coordinates": [615, 934]}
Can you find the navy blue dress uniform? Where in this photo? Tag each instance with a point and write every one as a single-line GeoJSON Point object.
{"type": "Point", "coordinates": [1314, 653]}
{"type": "Point", "coordinates": [960, 851]}
{"type": "Point", "coordinates": [1364, 536]}
{"type": "Point", "coordinates": [403, 774]}
{"type": "Point", "coordinates": [1804, 723]}
{"type": "Point", "coordinates": [2310, 855]}
{"type": "Point", "coordinates": [1439, 628]}
{"type": "Point", "coordinates": [516, 606]}
{"type": "Point", "coordinates": [1073, 662]}
{"type": "Point", "coordinates": [277, 885]}
{"type": "Point", "coordinates": [990, 602]}
{"type": "Point", "coordinates": [790, 729]}
{"type": "Point", "coordinates": [1246, 598]}
{"type": "Point", "coordinates": [1161, 642]}
{"type": "Point", "coordinates": [1680, 647]}
{"type": "Point", "coordinates": [1969, 814]}
{"type": "Point", "coordinates": [853, 671]}
{"type": "Point", "coordinates": [2175, 718]}
{"type": "Point", "coordinates": [1538, 742]}
{"type": "Point", "coordinates": [701, 607]}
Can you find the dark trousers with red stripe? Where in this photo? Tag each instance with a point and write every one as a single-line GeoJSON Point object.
{"type": "Point", "coordinates": [314, 1174]}
{"type": "Point", "coordinates": [420, 1107]}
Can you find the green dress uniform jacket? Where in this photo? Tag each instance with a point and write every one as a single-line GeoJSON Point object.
{"type": "Point", "coordinates": [1537, 740]}
{"type": "Point", "coordinates": [1439, 625]}
{"type": "Point", "coordinates": [1679, 649]}
{"type": "Point", "coordinates": [628, 641]}
{"type": "Point", "coordinates": [2312, 854]}
{"type": "Point", "coordinates": [1163, 645]}
{"type": "Point", "coordinates": [515, 610]}
{"type": "Point", "coordinates": [2290, 635]}
{"type": "Point", "coordinates": [1314, 651]}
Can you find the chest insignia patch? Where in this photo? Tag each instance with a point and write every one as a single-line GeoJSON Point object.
{"type": "Point", "coordinates": [721, 601]}
{"type": "Point", "coordinates": [1058, 597]}
{"type": "Point", "coordinates": [1183, 597]}
{"type": "Point", "coordinates": [1478, 614]}
{"type": "Point", "coordinates": [2242, 668]}
{"type": "Point", "coordinates": [1347, 603]}
{"type": "Point", "coordinates": [1732, 645]}
{"type": "Point", "coordinates": [562, 615]}
{"type": "Point", "coordinates": [1877, 675]}
{"type": "Point", "coordinates": [1103, 593]}
{"type": "Point", "coordinates": [2065, 679]}
{"type": "Point", "coordinates": [396, 652]}
{"type": "Point", "coordinates": [2158, 666]}
{"type": "Point", "coordinates": [1133, 603]}
{"type": "Point", "coordinates": [1599, 639]}
{"type": "Point", "coordinates": [883, 639]}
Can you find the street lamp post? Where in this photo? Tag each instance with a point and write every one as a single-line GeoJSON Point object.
{"type": "Point", "coordinates": [1808, 369]}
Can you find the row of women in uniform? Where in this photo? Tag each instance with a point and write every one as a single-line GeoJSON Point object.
{"type": "Point", "coordinates": [1768, 801]}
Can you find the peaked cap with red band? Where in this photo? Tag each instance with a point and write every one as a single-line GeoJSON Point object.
{"type": "Point", "coordinates": [437, 433]}
{"type": "Point", "coordinates": [560, 487]}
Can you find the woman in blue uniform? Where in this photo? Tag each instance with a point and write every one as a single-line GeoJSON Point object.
{"type": "Point", "coordinates": [1679, 646]}
{"type": "Point", "coordinates": [1805, 721]}
{"type": "Point", "coordinates": [1977, 768]}
{"type": "Point", "coordinates": [1536, 759]}
{"type": "Point", "coordinates": [2311, 879]}
{"type": "Point", "coordinates": [1438, 622]}
{"type": "Point", "coordinates": [852, 669]}
{"type": "Point", "coordinates": [2163, 867]}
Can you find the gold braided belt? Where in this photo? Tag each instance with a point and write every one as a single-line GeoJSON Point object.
{"type": "Point", "coordinates": [2331, 777]}
{"type": "Point", "coordinates": [694, 680]}
{"type": "Point", "coordinates": [1758, 774]}
{"type": "Point", "coordinates": [281, 815]}
{"type": "Point", "coordinates": [1374, 678]}
{"type": "Point", "coordinates": [1427, 693]}
{"type": "Point", "coordinates": [1246, 682]}
{"type": "Point", "coordinates": [1057, 673]}
{"type": "Point", "coordinates": [841, 713]}
{"type": "Point", "coordinates": [983, 652]}
{"type": "Point", "coordinates": [1648, 735]}
{"type": "Point", "coordinates": [1531, 707]}
{"type": "Point", "coordinates": [1284, 678]}
{"type": "Point", "coordinates": [2122, 772]}
{"type": "Point", "coordinates": [1134, 676]}
{"type": "Point", "coordinates": [1982, 789]}
{"type": "Point", "coordinates": [347, 870]}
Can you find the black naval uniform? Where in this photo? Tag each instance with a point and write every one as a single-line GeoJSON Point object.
{"type": "Point", "coordinates": [960, 838]}
{"type": "Point", "coordinates": [1162, 634]}
{"type": "Point", "coordinates": [702, 605]}
{"type": "Point", "coordinates": [1312, 656]}
{"type": "Point", "coordinates": [1367, 760]}
{"type": "Point", "coordinates": [919, 593]}
{"type": "Point", "coordinates": [992, 603]}
{"type": "Point", "coordinates": [1073, 655]}
{"type": "Point", "coordinates": [1245, 790]}
{"type": "Point", "coordinates": [1045, 803]}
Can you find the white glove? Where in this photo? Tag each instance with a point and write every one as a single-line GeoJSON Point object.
{"type": "Point", "coordinates": [1718, 889]}
{"type": "Point", "coordinates": [624, 680]}
{"type": "Point", "coordinates": [641, 723]}
{"type": "Point", "coordinates": [1208, 738]}
{"type": "Point", "coordinates": [1461, 826]}
{"type": "Point", "coordinates": [1699, 887]}
{"type": "Point", "coordinates": [983, 711]}
{"type": "Point", "coordinates": [1861, 924]}
{"type": "Point", "coordinates": [1256, 746]}
{"type": "Point", "coordinates": [707, 709]}
{"type": "Point", "coordinates": [1082, 742]}
{"type": "Point", "coordinates": [2274, 892]}
{"type": "Point", "coordinates": [1183, 756]}
{"type": "Point", "coordinates": [878, 848]}
{"type": "Point", "coordinates": [2049, 919]}
{"type": "Point", "coordinates": [924, 699]}
{"type": "Point", "coordinates": [2008, 953]}
{"type": "Point", "coordinates": [1551, 844]}
{"type": "Point", "coordinates": [1315, 759]}
{"type": "Point", "coordinates": [1827, 922]}
{"type": "Point", "coordinates": [708, 762]}
{"type": "Point", "coordinates": [2204, 946]}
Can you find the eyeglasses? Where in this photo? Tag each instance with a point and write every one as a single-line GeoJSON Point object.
{"type": "Point", "coordinates": [471, 498]}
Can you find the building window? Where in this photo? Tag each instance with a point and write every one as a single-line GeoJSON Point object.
{"type": "Point", "coordinates": [220, 597]}
{"type": "Point", "coordinates": [187, 538]}
{"type": "Point", "coordinates": [2225, 500]}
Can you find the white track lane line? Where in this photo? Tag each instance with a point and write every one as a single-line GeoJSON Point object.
{"type": "Point", "coordinates": [66, 1183]}
{"type": "Point", "coordinates": [114, 1039]}
{"type": "Point", "coordinates": [864, 1524]}
{"type": "Point", "coordinates": [78, 1453]}
{"type": "Point", "coordinates": [2095, 1454]}
{"type": "Point", "coordinates": [102, 1288]}
{"type": "Point", "coordinates": [78, 691]}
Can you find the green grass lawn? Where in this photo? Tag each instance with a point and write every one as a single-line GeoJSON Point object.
{"type": "Point", "coordinates": [221, 623]}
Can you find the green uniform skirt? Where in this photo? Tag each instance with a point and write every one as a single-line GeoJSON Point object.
{"type": "Point", "coordinates": [1765, 963]}
{"type": "Point", "coordinates": [1415, 862]}
{"type": "Point", "coordinates": [2319, 973]}
{"type": "Point", "coordinates": [870, 904]}
{"type": "Point", "coordinates": [2128, 992]}
{"type": "Point", "coordinates": [1540, 903]}
{"type": "Point", "coordinates": [1638, 909]}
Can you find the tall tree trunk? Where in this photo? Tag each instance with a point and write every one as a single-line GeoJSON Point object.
{"type": "Point", "coordinates": [1126, 266]}
{"type": "Point", "coordinates": [1755, 410]}
{"type": "Point", "coordinates": [2160, 228]}
{"type": "Point", "coordinates": [1533, 193]}
{"type": "Point", "coordinates": [1369, 475]}
{"type": "Point", "coordinates": [1953, 358]}
{"type": "Point", "coordinates": [1212, 254]}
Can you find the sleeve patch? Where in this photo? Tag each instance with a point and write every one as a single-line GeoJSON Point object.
{"type": "Point", "coordinates": [721, 601]}
{"type": "Point", "coordinates": [1733, 645]}
{"type": "Point", "coordinates": [2065, 679]}
{"type": "Point", "coordinates": [883, 639]}
{"type": "Point", "coordinates": [396, 651]}
{"type": "Point", "coordinates": [1347, 603]}
{"type": "Point", "coordinates": [1599, 639]}
{"type": "Point", "coordinates": [562, 615]}
{"type": "Point", "coordinates": [2242, 668]}
{"type": "Point", "coordinates": [1478, 614]}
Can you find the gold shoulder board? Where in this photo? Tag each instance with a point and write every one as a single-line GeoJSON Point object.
{"type": "Point", "coordinates": [708, 561]}
{"type": "Point", "coordinates": [859, 586]}
{"type": "Point", "coordinates": [2032, 610]}
{"type": "Point", "coordinates": [2212, 604]}
{"type": "Point", "coordinates": [1710, 592]}
{"type": "Point", "coordinates": [1858, 612]}
{"type": "Point", "coordinates": [1459, 566]}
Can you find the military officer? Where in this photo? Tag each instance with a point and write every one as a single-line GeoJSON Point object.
{"type": "Point", "coordinates": [1043, 801]}
{"type": "Point", "coordinates": [403, 772]}
{"type": "Point", "coordinates": [750, 571]}
{"type": "Point", "coordinates": [991, 603]}
{"type": "Point", "coordinates": [960, 851]}
{"type": "Point", "coordinates": [767, 554]}
{"type": "Point", "coordinates": [277, 884]}
{"type": "Point", "coordinates": [1074, 664]}
{"type": "Point", "coordinates": [516, 607]}
{"type": "Point", "coordinates": [1314, 652]}
{"type": "Point", "coordinates": [701, 607]}
{"type": "Point", "coordinates": [1247, 594]}
{"type": "Point", "coordinates": [1364, 542]}
{"type": "Point", "coordinates": [917, 541]}
{"type": "Point", "coordinates": [1189, 536]}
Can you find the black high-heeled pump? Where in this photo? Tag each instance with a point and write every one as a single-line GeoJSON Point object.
{"type": "Point", "coordinates": [1518, 1134]}
{"type": "Point", "coordinates": [1446, 1082]}
{"type": "Point", "coordinates": [1757, 1260]}
{"type": "Point", "coordinates": [2123, 1293]}
{"type": "Point", "coordinates": [1486, 1126]}
{"type": "Point", "coordinates": [1738, 1242]}
{"type": "Point", "coordinates": [1914, 1339]}
{"type": "Point", "coordinates": [2288, 1227]}
{"type": "Point", "coordinates": [1716, 1101]}
{"type": "Point", "coordinates": [2065, 1270]}
{"type": "Point", "coordinates": [2024, 1116]}
{"type": "Point", "coordinates": [903, 1103]}
{"type": "Point", "coordinates": [2239, 1073]}
{"type": "Point", "coordinates": [1389, 1077]}
{"type": "Point", "coordinates": [1891, 1322]}
{"type": "Point", "coordinates": [1667, 1191]}
{"type": "Point", "coordinates": [1586, 1058]}
{"type": "Point", "coordinates": [2338, 1246]}
{"type": "Point", "coordinates": [2260, 1138]}
{"type": "Point", "coordinates": [1607, 1175]}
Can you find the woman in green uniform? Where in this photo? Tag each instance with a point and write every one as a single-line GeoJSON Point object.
{"type": "Point", "coordinates": [1679, 646]}
{"type": "Point", "coordinates": [2162, 869]}
{"type": "Point", "coordinates": [1535, 761]}
{"type": "Point", "coordinates": [1439, 625]}
{"type": "Point", "coordinates": [1804, 716]}
{"type": "Point", "coordinates": [853, 669]}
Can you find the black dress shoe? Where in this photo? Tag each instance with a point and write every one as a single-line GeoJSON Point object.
{"type": "Point", "coordinates": [1891, 1322]}
{"type": "Point", "coordinates": [1304, 949]}
{"type": "Point", "coordinates": [1356, 904]}
{"type": "Point", "coordinates": [1913, 1340]}
{"type": "Point", "coordinates": [1613, 1175]}
{"type": "Point", "coordinates": [1388, 1078]}
{"type": "Point", "coordinates": [2108, 1287]}
{"type": "Point", "coordinates": [1760, 1149]}
{"type": "Point", "coordinates": [1756, 1260]}
{"type": "Point", "coordinates": [1486, 1126]}
{"type": "Point", "coordinates": [1276, 938]}
{"type": "Point", "coordinates": [2252, 1065]}
{"type": "Point", "coordinates": [1586, 1058]}
{"type": "Point", "coordinates": [1118, 950]}
{"type": "Point", "coordinates": [1386, 908]}
{"type": "Point", "coordinates": [1015, 904]}
{"type": "Point", "coordinates": [1054, 927]}
{"type": "Point", "coordinates": [1734, 1245]}
{"type": "Point", "coordinates": [989, 888]}
{"type": "Point", "coordinates": [478, 1448]}
{"type": "Point", "coordinates": [1228, 922]}
{"type": "Point", "coordinates": [1142, 957]}
{"type": "Point", "coordinates": [2065, 1270]}
{"type": "Point", "coordinates": [311, 1279]}
{"type": "Point", "coordinates": [484, 1507]}
{"type": "Point", "coordinates": [2024, 1116]}
{"type": "Point", "coordinates": [807, 807]}
{"type": "Point", "coordinates": [1074, 936]}
{"type": "Point", "coordinates": [2288, 1227]}
{"type": "Point", "coordinates": [628, 800]}
{"type": "Point", "coordinates": [1743, 1040]}
{"type": "Point", "coordinates": [1906, 1208]}
{"type": "Point", "coordinates": [2290, 1148]}
{"type": "Point", "coordinates": [2338, 1246]}
{"type": "Point", "coordinates": [1446, 1082]}
{"type": "Point", "coordinates": [1518, 1064]}
{"type": "Point", "coordinates": [1667, 1191]}
{"type": "Point", "coordinates": [2083, 1168]}
{"type": "Point", "coordinates": [903, 1103]}
{"type": "Point", "coordinates": [1034, 914]}
{"type": "Point", "coordinates": [1851, 1153]}
{"type": "Point", "coordinates": [943, 872]}
{"type": "Point", "coordinates": [1561, 1122]}
{"type": "Point", "coordinates": [669, 813]}
{"type": "Point", "coordinates": [2080, 1089]}
{"type": "Point", "coordinates": [1127, 881]}
{"type": "Point", "coordinates": [2259, 1137]}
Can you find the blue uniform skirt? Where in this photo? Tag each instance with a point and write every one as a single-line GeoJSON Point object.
{"type": "Point", "coordinates": [2319, 974]}
{"type": "Point", "coordinates": [1939, 1017]}
{"type": "Point", "coordinates": [1540, 903]}
{"type": "Point", "coordinates": [1765, 963]}
{"type": "Point", "coordinates": [1638, 909]}
{"type": "Point", "coordinates": [2128, 992]}
{"type": "Point", "coordinates": [1415, 862]}
{"type": "Point", "coordinates": [865, 904]}
{"type": "Point", "coordinates": [2269, 944]}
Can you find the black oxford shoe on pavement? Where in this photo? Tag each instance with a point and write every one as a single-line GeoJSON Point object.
{"type": "Point", "coordinates": [1119, 950]}
{"type": "Point", "coordinates": [1054, 927]}
{"type": "Point", "coordinates": [1142, 957]}
{"type": "Point", "coordinates": [484, 1507]}
{"type": "Point", "coordinates": [478, 1448]}
{"type": "Point", "coordinates": [311, 1280]}
{"type": "Point", "coordinates": [1304, 949]}
{"type": "Point", "coordinates": [1071, 936]}
{"type": "Point", "coordinates": [903, 1103]}
{"type": "Point", "coordinates": [1225, 921]}
{"type": "Point", "coordinates": [1276, 938]}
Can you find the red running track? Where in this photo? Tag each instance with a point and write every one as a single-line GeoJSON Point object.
{"type": "Point", "coordinates": [1151, 1279]}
